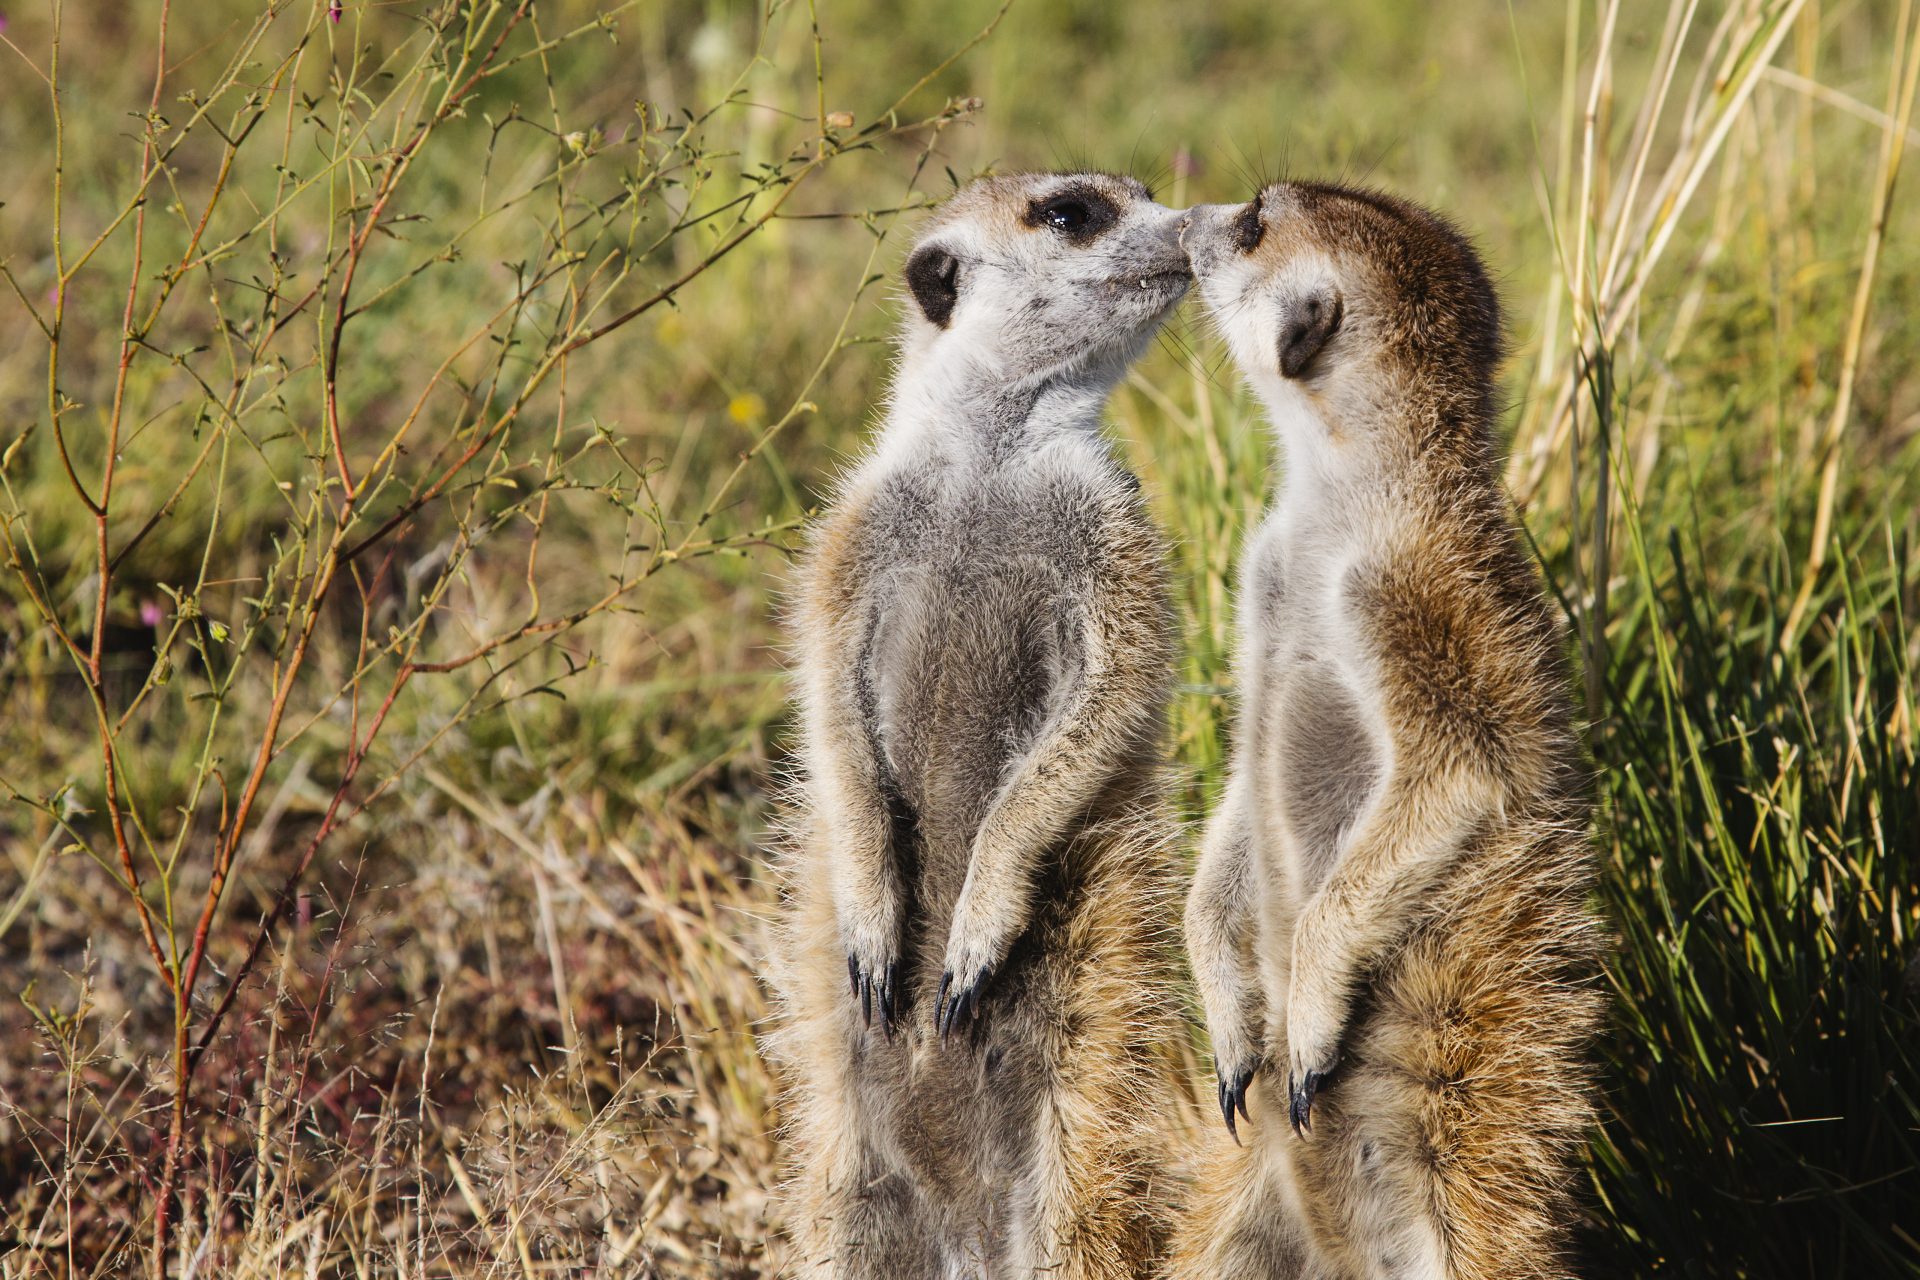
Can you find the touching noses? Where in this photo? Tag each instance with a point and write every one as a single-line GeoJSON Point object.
{"type": "Point", "coordinates": [1194, 220]}
{"type": "Point", "coordinates": [1172, 227]}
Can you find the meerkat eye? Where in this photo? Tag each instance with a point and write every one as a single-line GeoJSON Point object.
{"type": "Point", "coordinates": [1065, 214]}
{"type": "Point", "coordinates": [1079, 216]}
{"type": "Point", "coordinates": [1247, 228]}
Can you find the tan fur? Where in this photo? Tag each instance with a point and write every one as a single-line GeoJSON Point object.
{"type": "Point", "coordinates": [983, 639]}
{"type": "Point", "coordinates": [1408, 919]}
{"type": "Point", "coordinates": [1104, 1186]}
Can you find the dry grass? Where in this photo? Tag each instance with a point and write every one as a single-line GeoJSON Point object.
{"type": "Point", "coordinates": [534, 1047]}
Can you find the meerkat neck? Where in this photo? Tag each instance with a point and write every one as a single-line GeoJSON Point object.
{"type": "Point", "coordinates": [1328, 458]}
{"type": "Point", "coordinates": [969, 415]}
{"type": "Point", "coordinates": [1319, 462]}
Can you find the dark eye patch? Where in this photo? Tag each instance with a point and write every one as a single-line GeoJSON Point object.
{"type": "Point", "coordinates": [1078, 214]}
{"type": "Point", "coordinates": [1247, 228]}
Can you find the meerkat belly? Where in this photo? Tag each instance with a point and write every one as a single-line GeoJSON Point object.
{"type": "Point", "coordinates": [967, 662]}
{"type": "Point", "coordinates": [967, 665]}
{"type": "Point", "coordinates": [1327, 755]}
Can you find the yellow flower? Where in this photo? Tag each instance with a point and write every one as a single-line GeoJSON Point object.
{"type": "Point", "coordinates": [746, 409]}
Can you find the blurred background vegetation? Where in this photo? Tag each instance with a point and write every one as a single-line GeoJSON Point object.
{"type": "Point", "coordinates": [481, 362]}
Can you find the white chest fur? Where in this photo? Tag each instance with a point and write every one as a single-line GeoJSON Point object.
{"type": "Point", "coordinates": [1318, 750]}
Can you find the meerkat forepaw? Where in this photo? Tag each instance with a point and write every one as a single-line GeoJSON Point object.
{"type": "Point", "coordinates": [876, 988]}
{"type": "Point", "coordinates": [1236, 1060]}
{"type": "Point", "coordinates": [870, 916]}
{"type": "Point", "coordinates": [964, 1001]}
{"type": "Point", "coordinates": [1311, 1058]}
{"type": "Point", "coordinates": [1234, 1080]}
{"type": "Point", "coordinates": [1316, 1018]}
{"type": "Point", "coordinates": [1308, 1067]}
{"type": "Point", "coordinates": [873, 969]}
{"type": "Point", "coordinates": [1300, 1091]}
{"type": "Point", "coordinates": [976, 945]}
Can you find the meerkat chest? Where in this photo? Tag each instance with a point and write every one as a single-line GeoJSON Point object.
{"type": "Point", "coordinates": [1321, 746]}
{"type": "Point", "coordinates": [1299, 614]}
{"type": "Point", "coordinates": [976, 634]}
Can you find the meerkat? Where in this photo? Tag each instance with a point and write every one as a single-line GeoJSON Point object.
{"type": "Point", "coordinates": [978, 937]}
{"type": "Point", "coordinates": [1387, 923]}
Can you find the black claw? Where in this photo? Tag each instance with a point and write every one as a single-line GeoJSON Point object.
{"type": "Point", "coordinates": [940, 1004]}
{"type": "Point", "coordinates": [964, 1003]}
{"type": "Point", "coordinates": [1300, 1100]}
{"type": "Point", "coordinates": [954, 1005]}
{"type": "Point", "coordinates": [871, 989]}
{"type": "Point", "coordinates": [887, 992]}
{"type": "Point", "coordinates": [1233, 1097]}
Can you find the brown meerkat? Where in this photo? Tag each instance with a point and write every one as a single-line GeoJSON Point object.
{"type": "Point", "coordinates": [1387, 923]}
{"type": "Point", "coordinates": [976, 951]}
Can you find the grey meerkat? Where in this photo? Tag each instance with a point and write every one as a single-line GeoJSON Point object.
{"type": "Point", "coordinates": [1388, 921]}
{"type": "Point", "coordinates": [978, 937]}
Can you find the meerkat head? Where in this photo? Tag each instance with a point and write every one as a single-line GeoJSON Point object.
{"type": "Point", "coordinates": [1365, 311]}
{"type": "Point", "coordinates": [1030, 276]}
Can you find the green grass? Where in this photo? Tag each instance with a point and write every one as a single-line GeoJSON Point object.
{"type": "Point", "coordinates": [503, 1020]}
{"type": "Point", "coordinates": [1761, 856]}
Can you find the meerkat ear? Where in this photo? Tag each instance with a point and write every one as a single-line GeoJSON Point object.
{"type": "Point", "coordinates": [934, 276]}
{"type": "Point", "coordinates": [1307, 320]}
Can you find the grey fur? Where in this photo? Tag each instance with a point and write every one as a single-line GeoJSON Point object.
{"type": "Point", "coordinates": [984, 640]}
